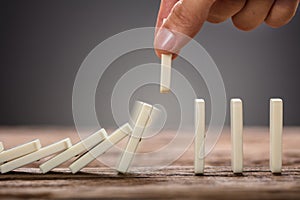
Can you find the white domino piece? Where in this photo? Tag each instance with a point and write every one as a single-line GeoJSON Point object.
{"type": "Point", "coordinates": [101, 148]}
{"type": "Point", "coordinates": [276, 125]}
{"type": "Point", "coordinates": [165, 75]}
{"type": "Point", "coordinates": [135, 138]}
{"type": "Point", "coordinates": [236, 121]}
{"type": "Point", "coordinates": [37, 155]}
{"type": "Point", "coordinates": [75, 150]}
{"type": "Point", "coordinates": [199, 136]}
{"type": "Point", "coordinates": [1, 147]}
{"type": "Point", "coordinates": [19, 151]}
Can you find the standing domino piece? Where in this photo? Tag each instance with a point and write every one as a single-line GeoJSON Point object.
{"type": "Point", "coordinates": [76, 149]}
{"type": "Point", "coordinates": [37, 155]}
{"type": "Point", "coordinates": [135, 138]}
{"type": "Point", "coordinates": [1, 147]}
{"type": "Point", "coordinates": [236, 121]}
{"type": "Point", "coordinates": [199, 136]}
{"type": "Point", "coordinates": [19, 151]}
{"type": "Point", "coordinates": [101, 148]}
{"type": "Point", "coordinates": [276, 124]}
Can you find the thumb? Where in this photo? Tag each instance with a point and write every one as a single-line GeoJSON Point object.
{"type": "Point", "coordinates": [183, 23]}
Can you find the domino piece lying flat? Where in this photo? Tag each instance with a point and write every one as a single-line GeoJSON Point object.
{"type": "Point", "coordinates": [276, 124]}
{"type": "Point", "coordinates": [199, 136]}
{"type": "Point", "coordinates": [1, 147]}
{"type": "Point", "coordinates": [37, 155]}
{"type": "Point", "coordinates": [135, 138]}
{"type": "Point", "coordinates": [101, 148]}
{"type": "Point", "coordinates": [76, 149]}
{"type": "Point", "coordinates": [236, 113]}
{"type": "Point", "coordinates": [165, 75]}
{"type": "Point", "coordinates": [19, 151]}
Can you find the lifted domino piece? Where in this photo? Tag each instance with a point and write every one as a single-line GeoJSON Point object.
{"type": "Point", "coordinates": [37, 155]}
{"type": "Point", "coordinates": [276, 126]}
{"type": "Point", "coordinates": [199, 136]}
{"type": "Point", "coordinates": [165, 74]}
{"type": "Point", "coordinates": [236, 121]}
{"type": "Point", "coordinates": [135, 138]}
{"type": "Point", "coordinates": [76, 149]}
{"type": "Point", "coordinates": [19, 151]}
{"type": "Point", "coordinates": [101, 148]}
{"type": "Point", "coordinates": [1, 147]}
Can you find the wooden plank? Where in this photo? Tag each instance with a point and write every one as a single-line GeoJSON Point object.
{"type": "Point", "coordinates": [176, 181]}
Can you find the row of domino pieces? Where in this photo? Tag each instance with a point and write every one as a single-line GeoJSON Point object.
{"type": "Point", "coordinates": [89, 148]}
{"type": "Point", "coordinates": [236, 123]}
{"type": "Point", "coordinates": [98, 143]}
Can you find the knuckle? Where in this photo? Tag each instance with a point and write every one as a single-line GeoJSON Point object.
{"type": "Point", "coordinates": [216, 19]}
{"type": "Point", "coordinates": [182, 16]}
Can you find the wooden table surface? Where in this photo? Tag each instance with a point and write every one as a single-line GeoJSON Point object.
{"type": "Point", "coordinates": [175, 181]}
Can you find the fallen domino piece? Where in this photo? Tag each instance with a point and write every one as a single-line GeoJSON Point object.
{"type": "Point", "coordinates": [101, 148]}
{"type": "Point", "coordinates": [1, 147]}
{"type": "Point", "coordinates": [236, 121]}
{"type": "Point", "coordinates": [37, 155]}
{"type": "Point", "coordinates": [19, 151]}
{"type": "Point", "coordinates": [134, 140]}
{"type": "Point", "coordinates": [76, 149]}
{"type": "Point", "coordinates": [276, 125]}
{"type": "Point", "coordinates": [199, 136]}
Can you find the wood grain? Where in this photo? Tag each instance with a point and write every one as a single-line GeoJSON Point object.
{"type": "Point", "coordinates": [176, 181]}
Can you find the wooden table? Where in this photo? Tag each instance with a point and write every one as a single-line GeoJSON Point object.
{"type": "Point", "coordinates": [176, 181]}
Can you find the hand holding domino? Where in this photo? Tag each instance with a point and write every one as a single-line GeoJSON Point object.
{"type": "Point", "coordinates": [165, 75]}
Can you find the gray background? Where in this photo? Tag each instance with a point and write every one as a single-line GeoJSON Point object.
{"type": "Point", "coordinates": [43, 43]}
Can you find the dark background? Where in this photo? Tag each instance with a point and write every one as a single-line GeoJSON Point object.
{"type": "Point", "coordinates": [43, 43]}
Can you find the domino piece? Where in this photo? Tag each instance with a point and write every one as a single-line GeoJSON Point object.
{"type": "Point", "coordinates": [101, 148]}
{"type": "Point", "coordinates": [236, 114]}
{"type": "Point", "coordinates": [155, 113]}
{"type": "Point", "coordinates": [19, 151]}
{"type": "Point", "coordinates": [1, 147]}
{"type": "Point", "coordinates": [135, 138]}
{"type": "Point", "coordinates": [37, 155]}
{"type": "Point", "coordinates": [165, 74]}
{"type": "Point", "coordinates": [276, 125]}
{"type": "Point", "coordinates": [77, 149]}
{"type": "Point", "coordinates": [199, 136]}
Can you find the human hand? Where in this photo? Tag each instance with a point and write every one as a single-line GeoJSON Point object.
{"type": "Point", "coordinates": [188, 16]}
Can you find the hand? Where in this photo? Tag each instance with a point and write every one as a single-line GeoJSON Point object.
{"type": "Point", "coordinates": [188, 16]}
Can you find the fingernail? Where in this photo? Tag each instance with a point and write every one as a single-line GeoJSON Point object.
{"type": "Point", "coordinates": [165, 40]}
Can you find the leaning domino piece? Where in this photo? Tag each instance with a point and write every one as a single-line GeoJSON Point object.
{"type": "Point", "coordinates": [1, 147]}
{"type": "Point", "coordinates": [199, 136]}
{"type": "Point", "coordinates": [37, 155]}
{"type": "Point", "coordinates": [165, 74]}
{"type": "Point", "coordinates": [76, 149]}
{"type": "Point", "coordinates": [19, 151]}
{"type": "Point", "coordinates": [101, 148]}
{"type": "Point", "coordinates": [276, 124]}
{"type": "Point", "coordinates": [135, 138]}
{"type": "Point", "coordinates": [236, 121]}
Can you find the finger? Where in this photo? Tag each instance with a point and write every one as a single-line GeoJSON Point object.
{"type": "Point", "coordinates": [253, 14]}
{"type": "Point", "coordinates": [221, 10]}
{"type": "Point", "coordinates": [164, 10]}
{"type": "Point", "coordinates": [282, 12]}
{"type": "Point", "coordinates": [184, 22]}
